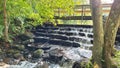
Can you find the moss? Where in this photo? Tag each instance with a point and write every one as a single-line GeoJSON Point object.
{"type": "Point", "coordinates": [17, 55]}
{"type": "Point", "coordinates": [11, 52]}
{"type": "Point", "coordinates": [38, 53]}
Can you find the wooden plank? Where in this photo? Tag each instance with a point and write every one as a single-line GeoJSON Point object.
{"type": "Point", "coordinates": [73, 17]}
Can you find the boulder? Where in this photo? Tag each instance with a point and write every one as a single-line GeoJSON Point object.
{"type": "Point", "coordinates": [11, 52]}
{"type": "Point", "coordinates": [82, 34]}
{"type": "Point", "coordinates": [17, 56]}
{"type": "Point", "coordinates": [75, 44]}
{"type": "Point", "coordinates": [28, 41]}
{"type": "Point", "coordinates": [18, 47]}
{"type": "Point", "coordinates": [55, 55]}
{"type": "Point", "coordinates": [38, 53]}
{"type": "Point", "coordinates": [1, 52]}
{"type": "Point", "coordinates": [90, 36]}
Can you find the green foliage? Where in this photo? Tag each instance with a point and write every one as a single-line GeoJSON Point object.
{"type": "Point", "coordinates": [89, 65]}
{"type": "Point", "coordinates": [86, 64]}
{"type": "Point", "coordinates": [44, 9]}
{"type": "Point", "coordinates": [1, 30]}
{"type": "Point", "coordinates": [1, 19]}
{"type": "Point", "coordinates": [117, 58]}
{"type": "Point", "coordinates": [38, 10]}
{"type": "Point", "coordinates": [38, 53]}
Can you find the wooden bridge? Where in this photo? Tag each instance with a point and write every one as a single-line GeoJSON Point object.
{"type": "Point", "coordinates": [81, 12]}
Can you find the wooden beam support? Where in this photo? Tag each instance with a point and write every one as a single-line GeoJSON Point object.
{"type": "Point", "coordinates": [73, 17]}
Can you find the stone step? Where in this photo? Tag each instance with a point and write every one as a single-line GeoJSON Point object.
{"type": "Point", "coordinates": [89, 35]}
{"type": "Point", "coordinates": [41, 39]}
{"type": "Point", "coordinates": [75, 26]}
{"type": "Point", "coordinates": [118, 38]}
{"type": "Point", "coordinates": [56, 42]}
{"type": "Point", "coordinates": [82, 34]}
{"type": "Point", "coordinates": [47, 28]}
{"type": "Point", "coordinates": [76, 39]}
{"type": "Point", "coordinates": [70, 33]}
{"type": "Point", "coordinates": [69, 43]}
{"type": "Point", "coordinates": [40, 34]}
{"type": "Point", "coordinates": [118, 32]}
{"type": "Point", "coordinates": [41, 30]}
{"type": "Point", "coordinates": [61, 37]}
{"type": "Point", "coordinates": [53, 36]}
{"type": "Point", "coordinates": [91, 41]}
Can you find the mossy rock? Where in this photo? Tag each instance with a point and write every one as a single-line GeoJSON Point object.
{"type": "Point", "coordinates": [11, 52]}
{"type": "Point", "coordinates": [38, 53]}
{"type": "Point", "coordinates": [18, 47]}
{"type": "Point", "coordinates": [17, 55]}
{"type": "Point", "coordinates": [21, 47]}
{"type": "Point", "coordinates": [1, 52]}
{"type": "Point", "coordinates": [25, 36]}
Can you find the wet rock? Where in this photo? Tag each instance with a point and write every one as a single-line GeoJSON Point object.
{"type": "Point", "coordinates": [11, 52]}
{"type": "Point", "coordinates": [81, 30]}
{"type": "Point", "coordinates": [7, 60]}
{"type": "Point", "coordinates": [76, 39]}
{"type": "Point", "coordinates": [1, 52]}
{"type": "Point", "coordinates": [55, 52]}
{"type": "Point", "coordinates": [69, 33]}
{"type": "Point", "coordinates": [82, 64]}
{"type": "Point", "coordinates": [55, 42]}
{"type": "Point", "coordinates": [66, 43]}
{"type": "Point", "coordinates": [118, 38]}
{"type": "Point", "coordinates": [68, 29]}
{"type": "Point", "coordinates": [75, 44]}
{"type": "Point", "coordinates": [90, 36]}
{"type": "Point", "coordinates": [38, 53]}
{"type": "Point", "coordinates": [41, 31]}
{"type": "Point", "coordinates": [54, 66]}
{"type": "Point", "coordinates": [28, 41]}
{"type": "Point", "coordinates": [91, 41]}
{"type": "Point", "coordinates": [45, 47]}
{"type": "Point", "coordinates": [60, 32]}
{"type": "Point", "coordinates": [55, 55]}
{"type": "Point", "coordinates": [26, 36]}
{"type": "Point", "coordinates": [59, 37]}
{"type": "Point", "coordinates": [51, 32]}
{"type": "Point", "coordinates": [118, 32]}
{"type": "Point", "coordinates": [44, 65]}
{"type": "Point", "coordinates": [46, 56]}
{"type": "Point", "coordinates": [71, 38]}
{"type": "Point", "coordinates": [40, 34]}
{"type": "Point", "coordinates": [40, 39]}
{"type": "Point", "coordinates": [77, 54]}
{"type": "Point", "coordinates": [19, 56]}
{"type": "Point", "coordinates": [82, 34]}
{"type": "Point", "coordinates": [18, 46]}
{"type": "Point", "coordinates": [25, 52]}
{"type": "Point", "coordinates": [76, 65]}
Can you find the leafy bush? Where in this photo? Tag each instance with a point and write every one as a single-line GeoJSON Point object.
{"type": "Point", "coordinates": [117, 58]}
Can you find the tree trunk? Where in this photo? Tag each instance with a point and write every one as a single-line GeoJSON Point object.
{"type": "Point", "coordinates": [98, 32]}
{"type": "Point", "coordinates": [111, 28]}
{"type": "Point", "coordinates": [5, 24]}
